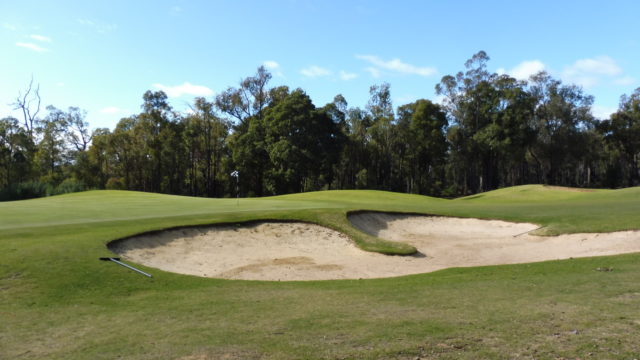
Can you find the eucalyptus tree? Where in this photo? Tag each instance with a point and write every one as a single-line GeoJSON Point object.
{"type": "Point", "coordinates": [302, 143]}
{"type": "Point", "coordinates": [381, 131]}
{"type": "Point", "coordinates": [247, 143]}
{"type": "Point", "coordinates": [96, 165]}
{"type": "Point", "coordinates": [510, 134]}
{"type": "Point", "coordinates": [622, 135]}
{"type": "Point", "coordinates": [506, 132]}
{"type": "Point", "coordinates": [356, 156]}
{"type": "Point", "coordinates": [199, 164]}
{"type": "Point", "coordinates": [470, 99]}
{"type": "Point", "coordinates": [154, 126]}
{"type": "Point", "coordinates": [248, 100]}
{"type": "Point", "coordinates": [51, 155]}
{"type": "Point", "coordinates": [127, 153]}
{"type": "Point", "coordinates": [337, 111]}
{"type": "Point", "coordinates": [245, 106]}
{"type": "Point", "coordinates": [78, 133]}
{"type": "Point", "coordinates": [562, 116]}
{"type": "Point", "coordinates": [250, 158]}
{"type": "Point", "coordinates": [29, 104]}
{"type": "Point", "coordinates": [423, 149]}
{"type": "Point", "coordinates": [16, 151]}
{"type": "Point", "coordinates": [204, 137]}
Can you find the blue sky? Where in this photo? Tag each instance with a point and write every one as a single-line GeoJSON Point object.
{"type": "Point", "coordinates": [103, 55]}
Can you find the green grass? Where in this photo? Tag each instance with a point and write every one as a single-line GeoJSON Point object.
{"type": "Point", "coordinates": [57, 301]}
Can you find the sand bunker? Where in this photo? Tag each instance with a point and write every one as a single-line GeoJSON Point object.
{"type": "Point", "coordinates": [302, 251]}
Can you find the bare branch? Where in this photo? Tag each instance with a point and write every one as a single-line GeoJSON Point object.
{"type": "Point", "coordinates": [24, 102]}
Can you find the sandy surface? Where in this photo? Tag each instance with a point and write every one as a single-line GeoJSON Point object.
{"type": "Point", "coordinates": [301, 251]}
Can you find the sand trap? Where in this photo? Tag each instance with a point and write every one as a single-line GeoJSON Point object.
{"type": "Point", "coordinates": [301, 251]}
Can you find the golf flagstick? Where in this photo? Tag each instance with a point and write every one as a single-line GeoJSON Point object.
{"type": "Point", "coordinates": [117, 261]}
{"type": "Point", "coordinates": [236, 174]}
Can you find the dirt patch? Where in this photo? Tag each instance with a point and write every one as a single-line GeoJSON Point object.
{"type": "Point", "coordinates": [302, 251]}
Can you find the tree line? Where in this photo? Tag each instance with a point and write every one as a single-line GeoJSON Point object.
{"type": "Point", "coordinates": [490, 131]}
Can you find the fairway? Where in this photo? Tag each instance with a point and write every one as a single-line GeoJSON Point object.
{"type": "Point", "coordinates": [58, 301]}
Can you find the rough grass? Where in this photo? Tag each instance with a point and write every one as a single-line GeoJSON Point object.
{"type": "Point", "coordinates": [57, 301]}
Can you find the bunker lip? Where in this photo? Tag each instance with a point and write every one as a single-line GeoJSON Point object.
{"type": "Point", "coordinates": [355, 215]}
{"type": "Point", "coordinates": [286, 250]}
{"type": "Point", "coordinates": [117, 243]}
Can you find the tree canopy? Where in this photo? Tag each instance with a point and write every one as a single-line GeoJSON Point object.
{"type": "Point", "coordinates": [490, 131]}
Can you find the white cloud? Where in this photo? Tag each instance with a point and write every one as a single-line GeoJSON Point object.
{"type": "Point", "coordinates": [98, 26]}
{"type": "Point", "coordinates": [32, 46]}
{"type": "Point", "coordinates": [346, 76]}
{"type": "Point", "coordinates": [603, 112]}
{"type": "Point", "coordinates": [589, 72]}
{"type": "Point", "coordinates": [9, 27]}
{"type": "Point", "coordinates": [184, 89]}
{"type": "Point", "coordinates": [625, 80]}
{"type": "Point", "coordinates": [175, 10]}
{"type": "Point", "coordinates": [314, 71]}
{"type": "Point", "coordinates": [271, 65]}
{"type": "Point", "coordinates": [396, 65]}
{"type": "Point", "coordinates": [60, 84]}
{"type": "Point", "coordinates": [602, 65]}
{"type": "Point", "coordinates": [274, 67]}
{"type": "Point", "coordinates": [40, 38]}
{"type": "Point", "coordinates": [585, 81]}
{"type": "Point", "coordinates": [375, 72]}
{"type": "Point", "coordinates": [524, 70]}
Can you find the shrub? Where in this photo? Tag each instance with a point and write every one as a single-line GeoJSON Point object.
{"type": "Point", "coordinates": [35, 189]}
{"type": "Point", "coordinates": [25, 190]}
{"type": "Point", "coordinates": [115, 183]}
{"type": "Point", "coordinates": [69, 185]}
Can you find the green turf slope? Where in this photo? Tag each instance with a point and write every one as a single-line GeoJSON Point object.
{"type": "Point", "coordinates": [559, 210]}
{"type": "Point", "coordinates": [57, 301]}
